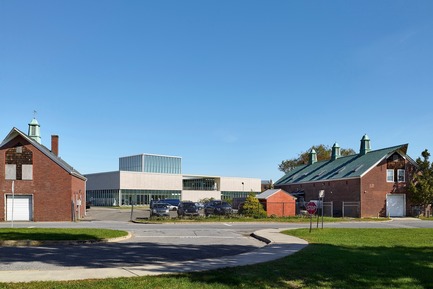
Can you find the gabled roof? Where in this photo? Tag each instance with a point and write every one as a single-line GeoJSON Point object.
{"type": "Point", "coordinates": [353, 166]}
{"type": "Point", "coordinates": [268, 193]}
{"type": "Point", "coordinates": [16, 132]}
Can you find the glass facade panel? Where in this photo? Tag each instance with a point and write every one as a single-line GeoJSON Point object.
{"type": "Point", "coordinates": [151, 164]}
{"type": "Point", "coordinates": [202, 184]}
{"type": "Point", "coordinates": [231, 195]}
{"type": "Point", "coordinates": [103, 197]}
{"type": "Point", "coordinates": [143, 197]}
{"type": "Point", "coordinates": [128, 197]}
{"type": "Point", "coordinates": [131, 164]}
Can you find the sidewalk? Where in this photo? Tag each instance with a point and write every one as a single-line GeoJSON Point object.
{"type": "Point", "coordinates": [279, 246]}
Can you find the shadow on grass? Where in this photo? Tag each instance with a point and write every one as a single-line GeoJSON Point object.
{"type": "Point", "coordinates": [321, 266]}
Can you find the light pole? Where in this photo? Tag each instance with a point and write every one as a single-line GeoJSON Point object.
{"type": "Point", "coordinates": [13, 202]}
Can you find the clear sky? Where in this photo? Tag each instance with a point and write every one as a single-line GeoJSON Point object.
{"type": "Point", "coordinates": [233, 87]}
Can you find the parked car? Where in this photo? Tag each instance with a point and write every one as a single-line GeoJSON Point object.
{"type": "Point", "coordinates": [217, 208]}
{"type": "Point", "coordinates": [200, 206]}
{"type": "Point", "coordinates": [187, 209]}
{"type": "Point", "coordinates": [172, 203]}
{"type": "Point", "coordinates": [160, 210]}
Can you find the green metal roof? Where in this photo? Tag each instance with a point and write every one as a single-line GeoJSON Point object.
{"type": "Point", "coordinates": [347, 167]}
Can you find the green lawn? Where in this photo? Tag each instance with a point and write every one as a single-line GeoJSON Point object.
{"type": "Point", "coordinates": [335, 258]}
{"type": "Point", "coordinates": [40, 234]}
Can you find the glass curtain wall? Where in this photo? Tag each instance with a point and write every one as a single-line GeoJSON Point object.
{"type": "Point", "coordinates": [107, 198]}
{"type": "Point", "coordinates": [206, 184]}
{"type": "Point", "coordinates": [231, 195]}
{"type": "Point", "coordinates": [151, 164]}
{"type": "Point", "coordinates": [143, 197]}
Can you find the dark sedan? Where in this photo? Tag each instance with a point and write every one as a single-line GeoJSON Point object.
{"type": "Point", "coordinates": [187, 209]}
{"type": "Point", "coordinates": [218, 208]}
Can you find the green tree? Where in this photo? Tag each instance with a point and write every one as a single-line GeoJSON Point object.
{"type": "Point", "coordinates": [323, 153]}
{"type": "Point", "coordinates": [252, 207]}
{"type": "Point", "coordinates": [421, 186]}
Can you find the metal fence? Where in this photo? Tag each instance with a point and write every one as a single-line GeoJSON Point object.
{"type": "Point", "coordinates": [351, 209]}
{"type": "Point", "coordinates": [328, 209]}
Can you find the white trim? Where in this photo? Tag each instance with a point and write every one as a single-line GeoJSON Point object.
{"type": "Point", "coordinates": [393, 176]}
{"type": "Point", "coordinates": [398, 175]}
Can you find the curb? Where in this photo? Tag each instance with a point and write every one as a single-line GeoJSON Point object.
{"type": "Point", "coordinates": [261, 238]}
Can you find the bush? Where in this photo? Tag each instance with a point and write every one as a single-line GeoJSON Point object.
{"type": "Point", "coordinates": [253, 208]}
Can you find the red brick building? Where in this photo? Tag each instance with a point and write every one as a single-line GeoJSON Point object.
{"type": "Point", "coordinates": [369, 184]}
{"type": "Point", "coordinates": [278, 202]}
{"type": "Point", "coordinates": [35, 183]}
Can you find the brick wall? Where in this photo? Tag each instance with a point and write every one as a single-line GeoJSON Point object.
{"type": "Point", "coordinates": [370, 191]}
{"type": "Point", "coordinates": [280, 204]}
{"type": "Point", "coordinates": [52, 188]}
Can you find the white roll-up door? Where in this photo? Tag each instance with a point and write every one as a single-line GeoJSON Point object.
{"type": "Point", "coordinates": [22, 208]}
{"type": "Point", "coordinates": [395, 205]}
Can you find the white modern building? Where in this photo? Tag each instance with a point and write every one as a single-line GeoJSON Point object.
{"type": "Point", "coordinates": [145, 177]}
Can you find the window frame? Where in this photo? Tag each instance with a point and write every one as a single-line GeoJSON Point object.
{"type": "Point", "coordinates": [388, 175]}
{"type": "Point", "coordinates": [403, 175]}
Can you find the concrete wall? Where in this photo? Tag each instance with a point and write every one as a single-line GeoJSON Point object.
{"type": "Point", "coordinates": [196, 196]}
{"type": "Point", "coordinates": [234, 184]}
{"type": "Point", "coordinates": [150, 181]}
{"type": "Point", "coordinates": [103, 181]}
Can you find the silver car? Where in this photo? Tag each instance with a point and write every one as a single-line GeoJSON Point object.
{"type": "Point", "coordinates": [160, 210]}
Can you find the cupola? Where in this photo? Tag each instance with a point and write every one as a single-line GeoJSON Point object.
{"type": "Point", "coordinates": [365, 145]}
{"type": "Point", "coordinates": [35, 130]}
{"type": "Point", "coordinates": [313, 157]}
{"type": "Point", "coordinates": [336, 152]}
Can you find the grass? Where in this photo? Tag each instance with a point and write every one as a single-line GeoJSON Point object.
{"type": "Point", "coordinates": [41, 234]}
{"type": "Point", "coordinates": [335, 258]}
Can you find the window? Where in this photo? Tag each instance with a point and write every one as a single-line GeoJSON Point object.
{"type": "Point", "coordinates": [390, 176]}
{"type": "Point", "coordinates": [401, 175]}
{"type": "Point", "coordinates": [11, 172]}
{"type": "Point", "coordinates": [27, 172]}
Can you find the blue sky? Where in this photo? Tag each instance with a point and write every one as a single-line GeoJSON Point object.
{"type": "Point", "coordinates": [233, 87]}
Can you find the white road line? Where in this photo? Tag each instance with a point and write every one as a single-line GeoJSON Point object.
{"type": "Point", "coordinates": [225, 224]}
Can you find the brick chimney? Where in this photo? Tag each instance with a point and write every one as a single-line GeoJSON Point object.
{"type": "Point", "coordinates": [55, 144]}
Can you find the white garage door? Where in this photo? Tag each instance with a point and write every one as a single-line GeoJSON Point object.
{"type": "Point", "coordinates": [22, 208]}
{"type": "Point", "coordinates": [395, 205]}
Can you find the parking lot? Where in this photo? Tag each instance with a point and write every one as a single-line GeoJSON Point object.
{"type": "Point", "coordinates": [122, 214]}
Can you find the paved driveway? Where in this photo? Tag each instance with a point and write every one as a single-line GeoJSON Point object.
{"type": "Point", "coordinates": [154, 243]}
{"type": "Point", "coordinates": [120, 214]}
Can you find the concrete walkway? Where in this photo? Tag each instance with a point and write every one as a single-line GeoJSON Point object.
{"type": "Point", "coordinates": [279, 246]}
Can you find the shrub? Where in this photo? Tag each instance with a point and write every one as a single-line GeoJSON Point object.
{"type": "Point", "coordinates": [253, 208]}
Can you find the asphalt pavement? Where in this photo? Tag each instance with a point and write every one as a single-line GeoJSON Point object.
{"type": "Point", "coordinates": [159, 248]}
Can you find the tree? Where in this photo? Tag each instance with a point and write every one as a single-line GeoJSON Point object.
{"type": "Point", "coordinates": [421, 186]}
{"type": "Point", "coordinates": [252, 207]}
{"type": "Point", "coordinates": [323, 153]}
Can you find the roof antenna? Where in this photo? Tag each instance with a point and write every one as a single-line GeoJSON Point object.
{"type": "Point", "coordinates": [34, 113]}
